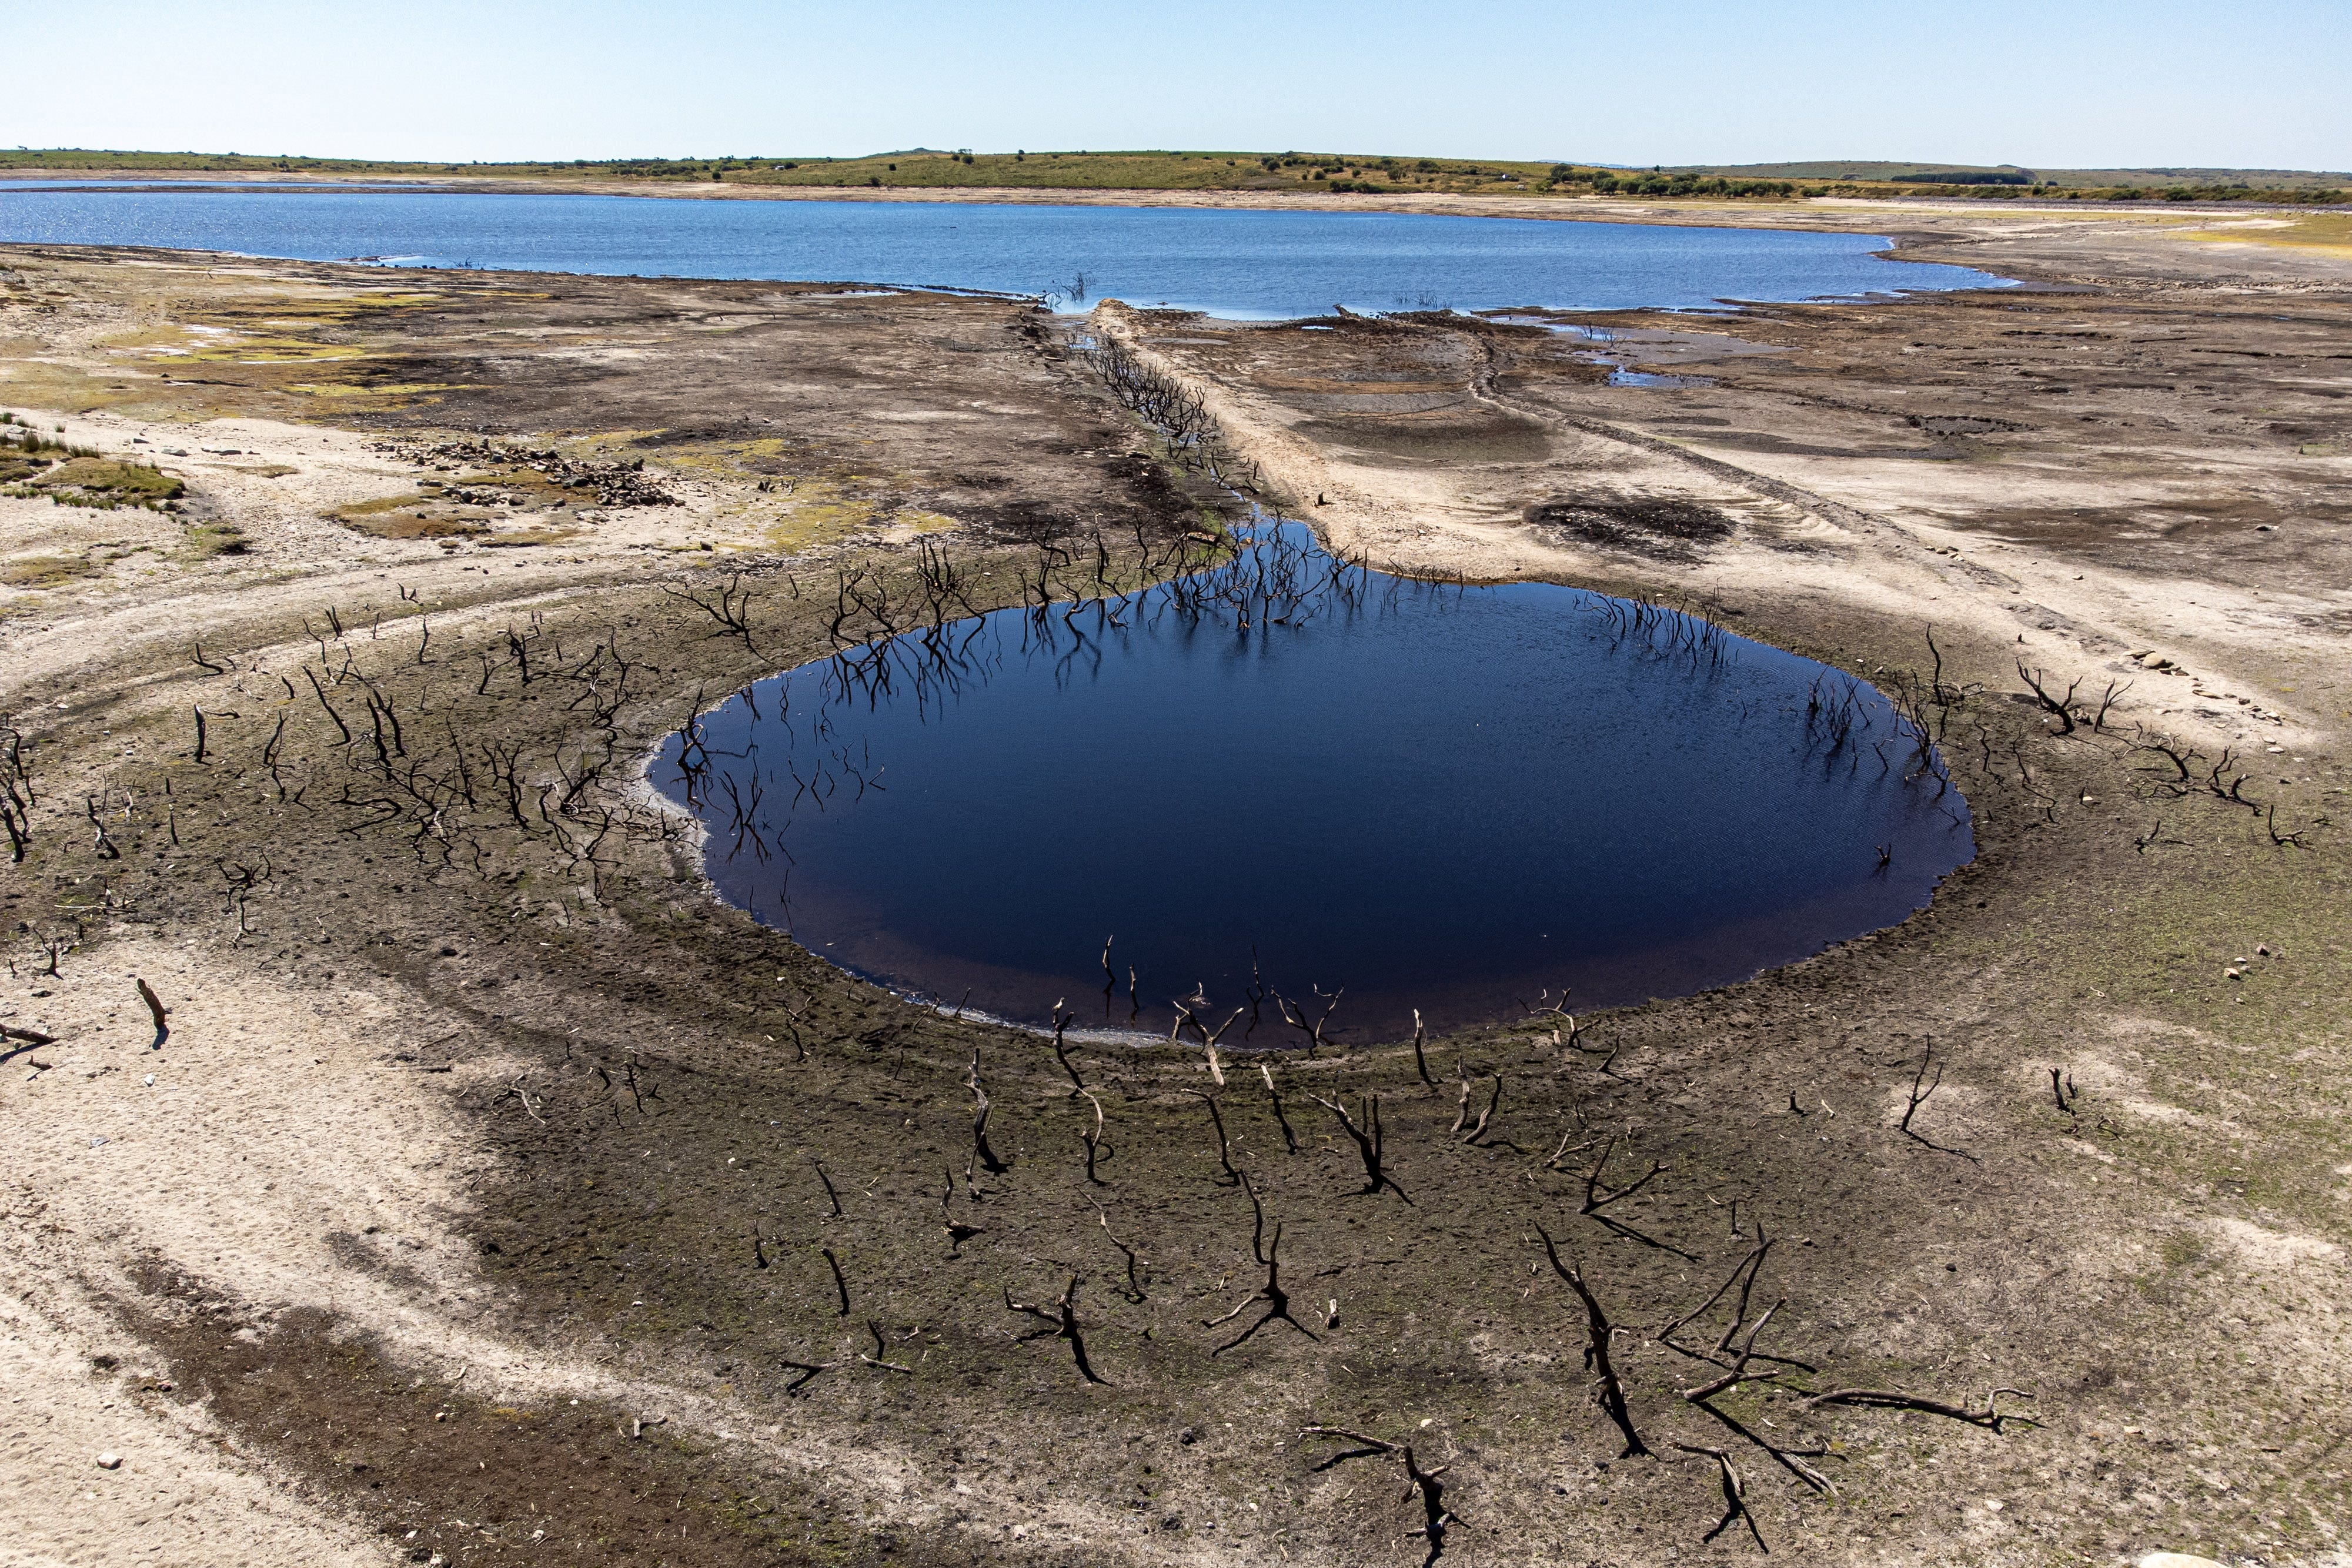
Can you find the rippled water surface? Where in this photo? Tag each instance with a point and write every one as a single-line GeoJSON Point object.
{"type": "Point", "coordinates": [1234, 263]}
{"type": "Point", "coordinates": [1434, 798]}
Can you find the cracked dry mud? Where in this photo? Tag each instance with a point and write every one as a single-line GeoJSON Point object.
{"type": "Point", "coordinates": [495, 1194]}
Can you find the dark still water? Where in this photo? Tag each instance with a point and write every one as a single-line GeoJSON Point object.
{"type": "Point", "coordinates": [1242, 264]}
{"type": "Point", "coordinates": [1435, 797]}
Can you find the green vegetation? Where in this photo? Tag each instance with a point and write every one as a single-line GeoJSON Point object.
{"type": "Point", "coordinates": [2293, 187]}
{"type": "Point", "coordinates": [406, 517]}
{"type": "Point", "coordinates": [32, 467]}
{"type": "Point", "coordinates": [205, 541]}
{"type": "Point", "coordinates": [1313, 173]}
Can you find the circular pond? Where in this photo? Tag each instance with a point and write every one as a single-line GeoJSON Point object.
{"type": "Point", "coordinates": [1287, 779]}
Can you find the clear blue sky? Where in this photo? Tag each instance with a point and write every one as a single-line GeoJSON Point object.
{"type": "Point", "coordinates": [2060, 83]}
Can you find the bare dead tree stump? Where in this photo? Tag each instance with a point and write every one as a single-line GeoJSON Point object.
{"type": "Point", "coordinates": [1734, 1497]}
{"type": "Point", "coordinates": [1061, 1320]}
{"type": "Point", "coordinates": [1609, 1392]}
{"type": "Point", "coordinates": [1276, 1299]}
{"type": "Point", "coordinates": [1369, 1139]}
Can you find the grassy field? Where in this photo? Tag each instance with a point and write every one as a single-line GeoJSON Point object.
{"type": "Point", "coordinates": [1160, 170]}
{"type": "Point", "coordinates": [1877, 172]}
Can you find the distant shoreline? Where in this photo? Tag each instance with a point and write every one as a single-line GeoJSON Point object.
{"type": "Point", "coordinates": [1836, 213]}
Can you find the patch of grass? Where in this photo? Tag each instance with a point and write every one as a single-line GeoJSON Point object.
{"type": "Point", "coordinates": [404, 518]}
{"type": "Point", "coordinates": [31, 468]}
{"type": "Point", "coordinates": [2327, 232]}
{"type": "Point", "coordinates": [202, 542]}
{"type": "Point", "coordinates": [2181, 1248]}
{"type": "Point", "coordinates": [38, 571]}
{"type": "Point", "coordinates": [117, 477]}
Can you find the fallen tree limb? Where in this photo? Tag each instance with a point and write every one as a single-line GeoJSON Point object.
{"type": "Point", "coordinates": [1992, 1416]}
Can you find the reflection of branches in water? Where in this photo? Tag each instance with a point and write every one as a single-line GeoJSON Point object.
{"type": "Point", "coordinates": [915, 643]}
{"type": "Point", "coordinates": [1660, 631]}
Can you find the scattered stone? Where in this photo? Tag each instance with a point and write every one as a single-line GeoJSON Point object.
{"type": "Point", "coordinates": [110, 1461]}
{"type": "Point", "coordinates": [2175, 1559]}
{"type": "Point", "coordinates": [614, 484]}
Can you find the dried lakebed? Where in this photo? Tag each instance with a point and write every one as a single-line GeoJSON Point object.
{"type": "Point", "coordinates": [1287, 780]}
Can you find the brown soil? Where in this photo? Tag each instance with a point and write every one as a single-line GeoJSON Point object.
{"type": "Point", "coordinates": [483, 1106]}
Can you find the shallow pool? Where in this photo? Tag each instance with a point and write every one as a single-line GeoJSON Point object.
{"type": "Point", "coordinates": [1287, 779]}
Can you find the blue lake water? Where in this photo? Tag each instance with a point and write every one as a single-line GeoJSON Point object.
{"type": "Point", "coordinates": [1239, 263]}
{"type": "Point", "coordinates": [1288, 774]}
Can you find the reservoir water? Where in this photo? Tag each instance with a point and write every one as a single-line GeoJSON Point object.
{"type": "Point", "coordinates": [1282, 779]}
{"type": "Point", "coordinates": [1288, 777]}
{"type": "Point", "coordinates": [1234, 263]}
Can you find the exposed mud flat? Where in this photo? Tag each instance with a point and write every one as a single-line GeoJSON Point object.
{"type": "Point", "coordinates": [473, 1103]}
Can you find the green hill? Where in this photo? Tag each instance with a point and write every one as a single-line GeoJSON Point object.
{"type": "Point", "coordinates": [924, 167]}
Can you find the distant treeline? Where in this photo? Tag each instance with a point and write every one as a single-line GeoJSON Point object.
{"type": "Point", "coordinates": [1985, 177]}
{"type": "Point", "coordinates": [1160, 170]}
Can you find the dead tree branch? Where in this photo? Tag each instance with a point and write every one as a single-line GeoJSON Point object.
{"type": "Point", "coordinates": [1992, 1416]}
{"type": "Point", "coordinates": [1232, 1177]}
{"type": "Point", "coordinates": [156, 1011]}
{"type": "Point", "coordinates": [1920, 1096]}
{"type": "Point", "coordinates": [880, 1351]}
{"type": "Point", "coordinates": [1608, 1393]}
{"type": "Point", "coordinates": [1061, 1320]}
{"type": "Point", "coordinates": [1734, 1497]}
{"type": "Point", "coordinates": [2060, 709]}
{"type": "Point", "coordinates": [839, 1283]}
{"type": "Point", "coordinates": [1369, 1139]}
{"type": "Point", "coordinates": [980, 1152]}
{"type": "Point", "coordinates": [1276, 1299]}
